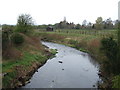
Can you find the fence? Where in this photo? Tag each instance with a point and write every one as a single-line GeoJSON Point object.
{"type": "Point", "coordinates": [101, 33]}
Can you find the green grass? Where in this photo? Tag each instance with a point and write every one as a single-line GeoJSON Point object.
{"type": "Point", "coordinates": [83, 50]}
{"type": "Point", "coordinates": [6, 81]}
{"type": "Point", "coordinates": [26, 60]}
{"type": "Point", "coordinates": [116, 82]}
{"type": "Point", "coordinates": [89, 33]}
{"type": "Point", "coordinates": [53, 51]}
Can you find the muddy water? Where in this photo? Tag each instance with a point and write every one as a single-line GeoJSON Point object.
{"type": "Point", "coordinates": [69, 69]}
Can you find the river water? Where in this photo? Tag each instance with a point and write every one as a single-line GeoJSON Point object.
{"type": "Point", "coordinates": [69, 69]}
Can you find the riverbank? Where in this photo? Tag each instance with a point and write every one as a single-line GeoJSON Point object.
{"type": "Point", "coordinates": [70, 68]}
{"type": "Point", "coordinates": [86, 43]}
{"type": "Point", "coordinates": [21, 62]}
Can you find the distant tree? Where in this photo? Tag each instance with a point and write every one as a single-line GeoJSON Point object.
{"type": "Point", "coordinates": [64, 25]}
{"type": "Point", "coordinates": [72, 25]}
{"type": "Point", "coordinates": [93, 26]}
{"type": "Point", "coordinates": [104, 25]}
{"type": "Point", "coordinates": [108, 24]}
{"type": "Point", "coordinates": [42, 26]}
{"type": "Point", "coordinates": [61, 25]}
{"type": "Point", "coordinates": [24, 23]}
{"type": "Point", "coordinates": [84, 23]}
{"type": "Point", "coordinates": [78, 26]}
{"type": "Point", "coordinates": [56, 25]}
{"type": "Point", "coordinates": [99, 23]}
{"type": "Point", "coordinates": [116, 24]}
{"type": "Point", "coordinates": [89, 25]}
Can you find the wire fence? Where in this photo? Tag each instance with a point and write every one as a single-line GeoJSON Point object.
{"type": "Point", "coordinates": [100, 33]}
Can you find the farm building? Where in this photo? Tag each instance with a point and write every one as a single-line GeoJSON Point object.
{"type": "Point", "coordinates": [49, 28]}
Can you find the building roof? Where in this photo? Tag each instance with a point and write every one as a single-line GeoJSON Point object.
{"type": "Point", "coordinates": [50, 27]}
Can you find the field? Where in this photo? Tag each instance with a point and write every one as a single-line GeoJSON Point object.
{"type": "Point", "coordinates": [74, 32]}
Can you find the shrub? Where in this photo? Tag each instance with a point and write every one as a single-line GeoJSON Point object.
{"type": "Point", "coordinates": [109, 46]}
{"type": "Point", "coordinates": [17, 38]}
{"type": "Point", "coordinates": [110, 49]}
{"type": "Point", "coordinates": [5, 40]}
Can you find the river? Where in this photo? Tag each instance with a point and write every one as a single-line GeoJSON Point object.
{"type": "Point", "coordinates": [69, 69]}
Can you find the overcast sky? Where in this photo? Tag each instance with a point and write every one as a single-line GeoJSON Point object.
{"type": "Point", "coordinates": [53, 11]}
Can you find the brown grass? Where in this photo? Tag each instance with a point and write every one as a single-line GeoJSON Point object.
{"type": "Point", "coordinates": [31, 44]}
{"type": "Point", "coordinates": [93, 45]}
{"type": "Point", "coordinates": [12, 52]}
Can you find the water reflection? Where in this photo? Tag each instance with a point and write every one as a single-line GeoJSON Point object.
{"type": "Point", "coordinates": [93, 61]}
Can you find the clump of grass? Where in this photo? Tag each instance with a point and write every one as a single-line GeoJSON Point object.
{"type": "Point", "coordinates": [6, 81]}
{"type": "Point", "coordinates": [116, 82]}
{"type": "Point", "coordinates": [73, 42]}
{"type": "Point", "coordinates": [93, 46]}
{"type": "Point", "coordinates": [53, 51]}
{"type": "Point", "coordinates": [83, 50]}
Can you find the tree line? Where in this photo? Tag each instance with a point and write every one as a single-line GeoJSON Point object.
{"type": "Point", "coordinates": [99, 24]}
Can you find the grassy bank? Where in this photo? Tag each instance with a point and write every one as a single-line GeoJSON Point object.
{"type": "Point", "coordinates": [21, 61]}
{"type": "Point", "coordinates": [90, 43]}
